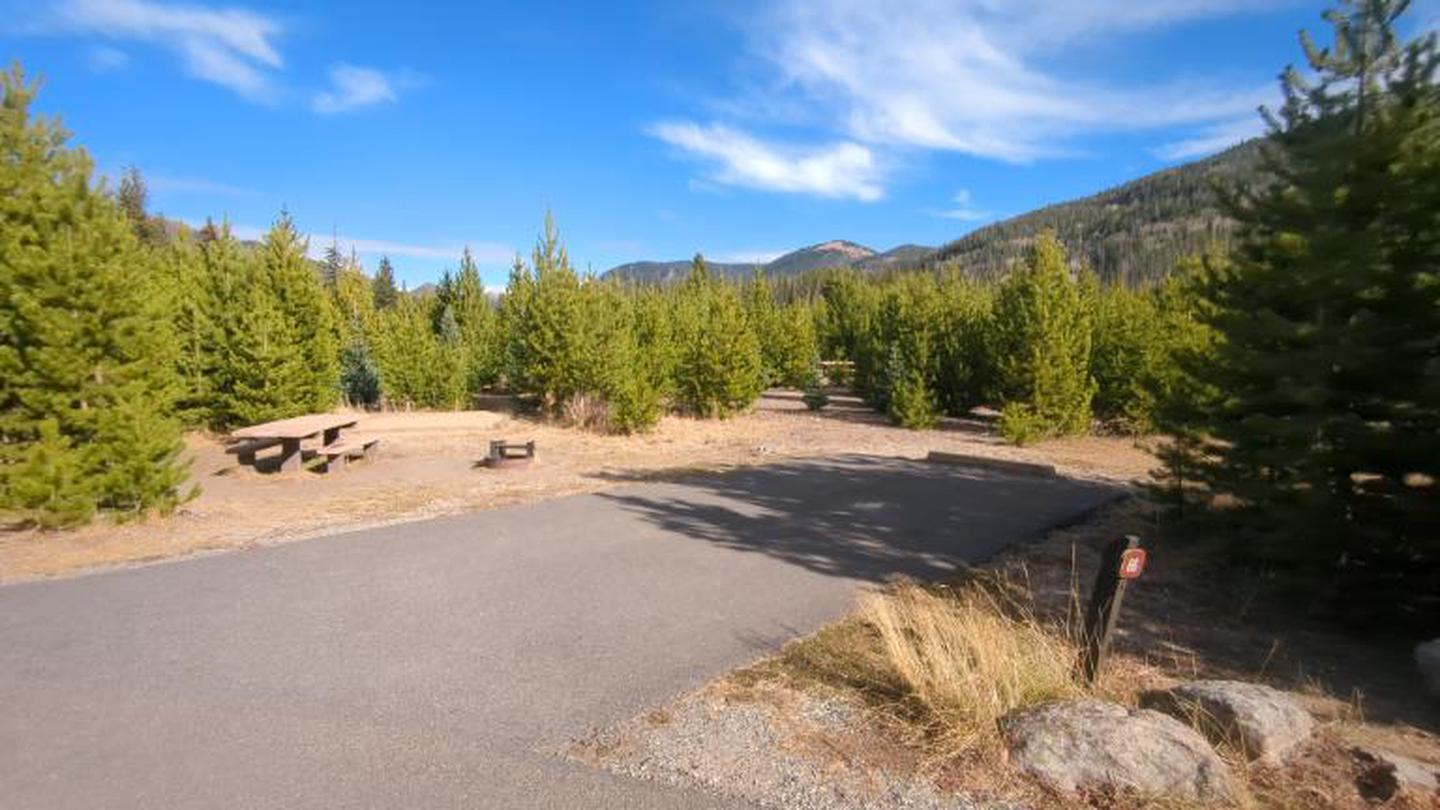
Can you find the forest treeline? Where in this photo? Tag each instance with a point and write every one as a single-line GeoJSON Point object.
{"type": "Point", "coordinates": [1294, 371]}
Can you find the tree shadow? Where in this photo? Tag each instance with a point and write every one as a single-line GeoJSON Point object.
{"type": "Point", "coordinates": [866, 518]}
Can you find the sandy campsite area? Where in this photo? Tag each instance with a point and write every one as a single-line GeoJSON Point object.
{"type": "Point", "coordinates": [426, 465]}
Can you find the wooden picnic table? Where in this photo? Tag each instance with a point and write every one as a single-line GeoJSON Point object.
{"type": "Point", "coordinates": [289, 433]}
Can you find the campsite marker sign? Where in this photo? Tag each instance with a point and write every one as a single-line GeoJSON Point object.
{"type": "Point", "coordinates": [1123, 561]}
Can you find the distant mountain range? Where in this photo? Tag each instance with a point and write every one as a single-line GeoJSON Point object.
{"type": "Point", "coordinates": [1134, 232]}
{"type": "Point", "coordinates": [835, 253]}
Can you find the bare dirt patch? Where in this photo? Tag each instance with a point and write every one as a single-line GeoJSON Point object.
{"type": "Point", "coordinates": [426, 466]}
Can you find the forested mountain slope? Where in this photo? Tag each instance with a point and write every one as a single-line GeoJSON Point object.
{"type": "Point", "coordinates": [1134, 232]}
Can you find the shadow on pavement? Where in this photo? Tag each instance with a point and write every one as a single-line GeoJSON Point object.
{"type": "Point", "coordinates": [864, 517]}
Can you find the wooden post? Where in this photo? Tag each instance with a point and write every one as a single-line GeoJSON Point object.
{"type": "Point", "coordinates": [1104, 611]}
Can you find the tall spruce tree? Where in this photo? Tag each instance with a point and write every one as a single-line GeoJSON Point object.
{"type": "Point", "coordinates": [86, 355]}
{"type": "Point", "coordinates": [384, 284]}
{"type": "Point", "coordinates": [332, 263]}
{"type": "Point", "coordinates": [1323, 420]}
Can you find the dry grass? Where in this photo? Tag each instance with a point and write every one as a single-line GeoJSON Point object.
{"type": "Point", "coordinates": [970, 657]}
{"type": "Point", "coordinates": [425, 467]}
{"type": "Point", "coordinates": [936, 665]}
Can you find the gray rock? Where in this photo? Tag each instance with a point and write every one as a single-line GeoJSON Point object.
{"type": "Point", "coordinates": [1261, 722]}
{"type": "Point", "coordinates": [1094, 745]}
{"type": "Point", "coordinates": [1427, 658]}
{"type": "Point", "coordinates": [1384, 774]}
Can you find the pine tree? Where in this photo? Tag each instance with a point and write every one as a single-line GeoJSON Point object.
{"type": "Point", "coordinates": [86, 356]}
{"type": "Point", "coordinates": [1041, 351]}
{"type": "Point", "coordinates": [308, 316]}
{"type": "Point", "coordinates": [417, 368]}
{"type": "Point", "coordinates": [478, 324]}
{"type": "Point", "coordinates": [1324, 426]}
{"type": "Point", "coordinates": [332, 264]}
{"type": "Point", "coordinates": [183, 292]}
{"type": "Point", "coordinates": [355, 308]}
{"type": "Point", "coordinates": [719, 369]}
{"type": "Point", "coordinates": [544, 329]}
{"type": "Point", "coordinates": [384, 284]}
{"type": "Point", "coordinates": [134, 199]}
{"type": "Point", "coordinates": [1130, 347]}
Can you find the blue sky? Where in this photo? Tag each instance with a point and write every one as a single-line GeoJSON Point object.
{"type": "Point", "coordinates": [652, 130]}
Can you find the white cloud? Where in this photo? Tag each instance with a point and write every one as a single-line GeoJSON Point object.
{"type": "Point", "coordinates": [105, 59]}
{"type": "Point", "coordinates": [195, 185]}
{"type": "Point", "coordinates": [963, 210]}
{"type": "Point", "coordinates": [485, 253]}
{"type": "Point", "coordinates": [839, 170]}
{"type": "Point", "coordinates": [231, 47]}
{"type": "Point", "coordinates": [979, 77]}
{"type": "Point", "coordinates": [353, 87]}
{"type": "Point", "coordinates": [1211, 139]}
{"type": "Point", "coordinates": [749, 257]}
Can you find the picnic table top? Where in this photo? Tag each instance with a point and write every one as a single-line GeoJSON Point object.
{"type": "Point", "coordinates": [298, 427]}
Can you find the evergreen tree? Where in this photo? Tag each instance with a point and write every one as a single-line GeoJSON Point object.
{"type": "Point", "coordinates": [719, 369]}
{"type": "Point", "coordinates": [1130, 347]}
{"type": "Point", "coordinates": [418, 369]}
{"type": "Point", "coordinates": [183, 292]}
{"type": "Point", "coordinates": [134, 199]}
{"type": "Point", "coordinates": [86, 356]}
{"type": "Point", "coordinates": [254, 371]}
{"type": "Point", "coordinates": [308, 316]}
{"type": "Point", "coordinates": [795, 346]}
{"type": "Point", "coordinates": [332, 264]}
{"type": "Point", "coordinates": [355, 308]}
{"type": "Point", "coordinates": [544, 329]}
{"type": "Point", "coordinates": [1323, 421]}
{"type": "Point", "coordinates": [1041, 351]}
{"type": "Point", "coordinates": [478, 325]}
{"type": "Point", "coordinates": [384, 284]}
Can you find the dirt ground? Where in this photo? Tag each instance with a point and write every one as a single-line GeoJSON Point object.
{"type": "Point", "coordinates": [426, 465]}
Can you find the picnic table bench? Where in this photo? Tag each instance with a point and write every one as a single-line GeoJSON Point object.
{"type": "Point", "coordinates": [291, 433]}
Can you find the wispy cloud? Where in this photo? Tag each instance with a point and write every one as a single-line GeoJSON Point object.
{"type": "Point", "coordinates": [962, 209]}
{"type": "Point", "coordinates": [839, 170]}
{"type": "Point", "coordinates": [195, 185]}
{"type": "Point", "coordinates": [231, 47]}
{"type": "Point", "coordinates": [353, 87]}
{"type": "Point", "coordinates": [980, 77]}
{"type": "Point", "coordinates": [1211, 139]}
{"type": "Point", "coordinates": [104, 59]}
{"type": "Point", "coordinates": [485, 253]}
{"type": "Point", "coordinates": [749, 256]}
{"type": "Point", "coordinates": [988, 78]}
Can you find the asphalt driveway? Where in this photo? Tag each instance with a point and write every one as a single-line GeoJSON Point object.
{"type": "Point", "coordinates": [440, 664]}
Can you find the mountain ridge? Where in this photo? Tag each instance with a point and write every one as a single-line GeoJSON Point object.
{"type": "Point", "coordinates": [1133, 232]}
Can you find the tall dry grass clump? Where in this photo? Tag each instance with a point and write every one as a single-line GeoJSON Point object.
{"type": "Point", "coordinates": [970, 656]}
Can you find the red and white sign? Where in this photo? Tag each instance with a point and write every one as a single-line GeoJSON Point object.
{"type": "Point", "coordinates": [1132, 563]}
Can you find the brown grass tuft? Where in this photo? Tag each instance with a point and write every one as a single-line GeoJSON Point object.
{"type": "Point", "coordinates": [970, 656]}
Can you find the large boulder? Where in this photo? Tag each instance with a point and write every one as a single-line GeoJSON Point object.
{"type": "Point", "coordinates": [1427, 659]}
{"type": "Point", "coordinates": [1085, 745]}
{"type": "Point", "coordinates": [1261, 722]}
